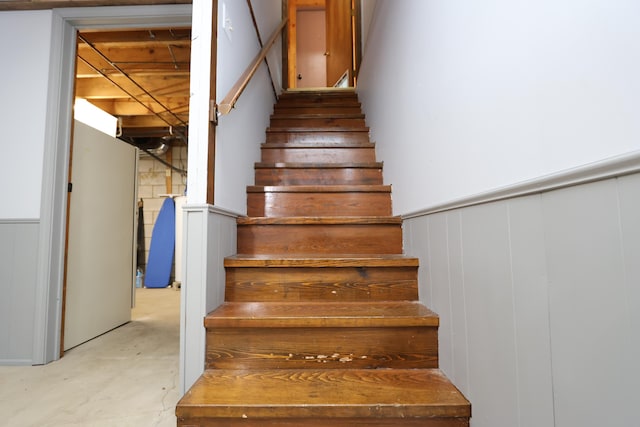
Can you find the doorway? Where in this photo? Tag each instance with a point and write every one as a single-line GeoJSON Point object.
{"type": "Point", "coordinates": [322, 39]}
{"type": "Point", "coordinates": [135, 81]}
{"type": "Point", "coordinates": [52, 245]}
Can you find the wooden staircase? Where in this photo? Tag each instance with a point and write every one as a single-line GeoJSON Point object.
{"type": "Point", "coordinates": [321, 324]}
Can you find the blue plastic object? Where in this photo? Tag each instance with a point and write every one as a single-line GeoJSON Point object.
{"type": "Point", "coordinates": [161, 250]}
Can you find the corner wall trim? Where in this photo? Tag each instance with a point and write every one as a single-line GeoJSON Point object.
{"type": "Point", "coordinates": [19, 220]}
{"type": "Point", "coordinates": [212, 209]}
{"type": "Point", "coordinates": [612, 167]}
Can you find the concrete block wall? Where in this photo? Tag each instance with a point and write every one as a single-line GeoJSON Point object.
{"type": "Point", "coordinates": [152, 183]}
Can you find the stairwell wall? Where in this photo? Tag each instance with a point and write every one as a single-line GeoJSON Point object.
{"type": "Point", "coordinates": [240, 133]}
{"type": "Point", "coordinates": [480, 96]}
{"type": "Point", "coordinates": [508, 134]}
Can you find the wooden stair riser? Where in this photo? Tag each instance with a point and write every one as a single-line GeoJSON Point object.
{"type": "Point", "coordinates": [322, 422]}
{"type": "Point", "coordinates": [323, 94]}
{"type": "Point", "coordinates": [329, 284]}
{"type": "Point", "coordinates": [317, 99]}
{"type": "Point", "coordinates": [313, 154]}
{"type": "Point", "coordinates": [322, 348]}
{"type": "Point", "coordinates": [280, 122]}
{"type": "Point", "coordinates": [297, 239]}
{"type": "Point", "coordinates": [336, 108]}
{"type": "Point", "coordinates": [284, 175]}
{"type": "Point", "coordinates": [318, 204]}
{"type": "Point", "coordinates": [317, 137]}
{"type": "Point", "coordinates": [314, 106]}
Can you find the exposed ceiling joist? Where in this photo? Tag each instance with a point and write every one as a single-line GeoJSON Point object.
{"type": "Point", "coordinates": [141, 77]}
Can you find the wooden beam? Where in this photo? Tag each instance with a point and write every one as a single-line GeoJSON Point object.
{"type": "Point", "coordinates": [178, 36]}
{"type": "Point", "coordinates": [161, 87]}
{"type": "Point", "coordinates": [147, 53]}
{"type": "Point", "coordinates": [211, 149]}
{"type": "Point", "coordinates": [168, 174]}
{"type": "Point", "coordinates": [134, 70]}
{"type": "Point", "coordinates": [153, 121]}
{"type": "Point", "coordinates": [129, 107]}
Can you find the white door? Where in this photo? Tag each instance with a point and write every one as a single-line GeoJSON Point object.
{"type": "Point", "coordinates": [101, 231]}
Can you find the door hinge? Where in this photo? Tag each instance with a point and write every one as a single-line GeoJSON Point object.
{"type": "Point", "coordinates": [69, 187]}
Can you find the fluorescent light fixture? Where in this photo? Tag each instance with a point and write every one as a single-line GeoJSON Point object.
{"type": "Point", "coordinates": [89, 114]}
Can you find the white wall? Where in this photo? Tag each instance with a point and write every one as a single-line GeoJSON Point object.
{"type": "Point", "coordinates": [199, 88]}
{"type": "Point", "coordinates": [367, 7]}
{"type": "Point", "coordinates": [240, 133]}
{"type": "Point", "coordinates": [538, 299]}
{"type": "Point", "coordinates": [464, 97]}
{"type": "Point", "coordinates": [269, 15]}
{"type": "Point", "coordinates": [23, 109]}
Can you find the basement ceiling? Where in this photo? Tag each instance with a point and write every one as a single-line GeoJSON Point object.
{"type": "Point", "coordinates": [142, 78]}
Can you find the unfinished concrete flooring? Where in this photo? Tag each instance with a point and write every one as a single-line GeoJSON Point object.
{"type": "Point", "coordinates": [127, 377]}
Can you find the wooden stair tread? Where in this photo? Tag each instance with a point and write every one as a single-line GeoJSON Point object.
{"type": "Point", "coordinates": [319, 189]}
{"type": "Point", "coordinates": [318, 145]}
{"type": "Point", "coordinates": [329, 91]}
{"type": "Point", "coordinates": [321, 314]}
{"type": "Point", "coordinates": [365, 260]}
{"type": "Point", "coordinates": [339, 107]}
{"type": "Point", "coordinates": [349, 103]}
{"type": "Point", "coordinates": [331, 394]}
{"type": "Point", "coordinates": [318, 129]}
{"type": "Point", "coordinates": [328, 220]}
{"type": "Point", "coordinates": [318, 115]}
{"type": "Point", "coordinates": [352, 165]}
{"type": "Point", "coordinates": [321, 95]}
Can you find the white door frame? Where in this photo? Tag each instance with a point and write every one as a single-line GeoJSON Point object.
{"type": "Point", "coordinates": [51, 240]}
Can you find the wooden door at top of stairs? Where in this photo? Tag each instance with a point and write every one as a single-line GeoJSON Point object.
{"type": "Point", "coordinates": [341, 40]}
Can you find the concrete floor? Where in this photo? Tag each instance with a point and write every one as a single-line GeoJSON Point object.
{"type": "Point", "coordinates": [127, 377]}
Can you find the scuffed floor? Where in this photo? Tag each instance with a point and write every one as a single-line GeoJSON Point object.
{"type": "Point", "coordinates": [127, 377]}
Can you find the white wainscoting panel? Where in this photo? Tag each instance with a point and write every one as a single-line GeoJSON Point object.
{"type": "Point", "coordinates": [629, 192]}
{"type": "Point", "coordinates": [539, 302]}
{"type": "Point", "coordinates": [531, 312]}
{"type": "Point", "coordinates": [590, 317]}
{"type": "Point", "coordinates": [209, 236]}
{"type": "Point", "coordinates": [18, 249]}
{"type": "Point", "coordinates": [489, 288]}
{"type": "Point", "coordinates": [458, 322]}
